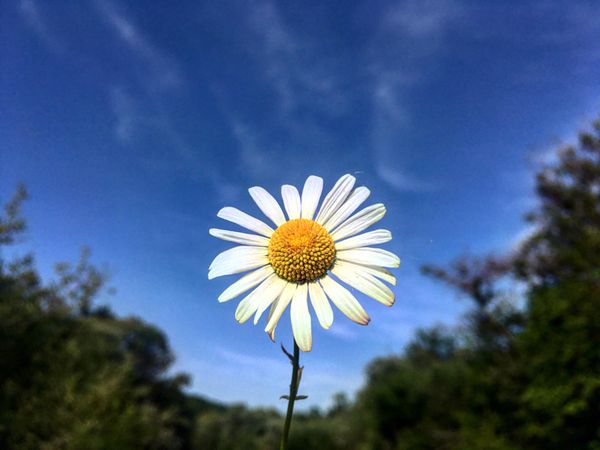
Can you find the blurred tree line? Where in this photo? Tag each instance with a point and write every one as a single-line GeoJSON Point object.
{"type": "Point", "coordinates": [513, 376]}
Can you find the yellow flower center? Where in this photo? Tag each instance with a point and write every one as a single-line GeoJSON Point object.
{"type": "Point", "coordinates": [301, 250]}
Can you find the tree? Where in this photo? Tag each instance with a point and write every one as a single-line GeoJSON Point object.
{"type": "Point", "coordinates": [561, 263]}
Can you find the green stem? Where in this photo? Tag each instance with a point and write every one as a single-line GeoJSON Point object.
{"type": "Point", "coordinates": [294, 384]}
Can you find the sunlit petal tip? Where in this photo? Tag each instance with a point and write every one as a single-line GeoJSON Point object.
{"type": "Point", "coordinates": [238, 259]}
{"type": "Point", "coordinates": [274, 288]}
{"type": "Point", "coordinates": [369, 256]}
{"type": "Point", "coordinates": [301, 321]}
{"type": "Point", "coordinates": [263, 292]}
{"type": "Point", "coordinates": [363, 280]}
{"type": "Point", "coordinates": [392, 301]}
{"type": "Point", "coordinates": [239, 238]}
{"type": "Point", "coordinates": [359, 221]}
{"type": "Point", "coordinates": [271, 335]}
{"type": "Point", "coordinates": [241, 319]}
{"type": "Point", "coordinates": [375, 237]}
{"type": "Point", "coordinates": [245, 283]}
{"type": "Point", "coordinates": [326, 326]}
{"type": "Point", "coordinates": [344, 300]}
{"type": "Point", "coordinates": [267, 204]}
{"type": "Point", "coordinates": [291, 201]}
{"type": "Point", "coordinates": [245, 220]}
{"type": "Point", "coordinates": [320, 305]}
{"type": "Point", "coordinates": [356, 198]}
{"type": "Point", "coordinates": [311, 194]}
{"type": "Point", "coordinates": [335, 198]}
{"type": "Point", "coordinates": [305, 346]}
{"type": "Point", "coordinates": [282, 303]}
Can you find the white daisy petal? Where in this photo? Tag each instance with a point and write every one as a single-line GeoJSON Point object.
{"type": "Point", "coordinates": [335, 198]}
{"type": "Point", "coordinates": [356, 199]}
{"type": "Point", "coordinates": [379, 272]}
{"type": "Point", "coordinates": [240, 251]}
{"type": "Point", "coordinates": [343, 299]}
{"type": "Point", "coordinates": [244, 220]}
{"type": "Point", "coordinates": [271, 311]}
{"type": "Point", "coordinates": [311, 194]}
{"type": "Point", "coordinates": [364, 282]}
{"type": "Point", "coordinates": [240, 238]}
{"type": "Point", "coordinates": [279, 307]}
{"type": "Point", "coordinates": [320, 304]}
{"type": "Point", "coordinates": [248, 281]}
{"type": "Point", "coordinates": [268, 289]}
{"type": "Point", "coordinates": [291, 201]}
{"type": "Point", "coordinates": [267, 204]}
{"type": "Point", "coordinates": [249, 303]}
{"type": "Point", "coordinates": [301, 323]}
{"type": "Point", "coordinates": [369, 256]}
{"type": "Point", "coordinates": [238, 259]}
{"type": "Point", "coordinates": [374, 237]}
{"type": "Point", "coordinates": [270, 297]}
{"type": "Point", "coordinates": [359, 221]}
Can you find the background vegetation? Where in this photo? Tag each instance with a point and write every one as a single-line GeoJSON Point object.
{"type": "Point", "coordinates": [75, 376]}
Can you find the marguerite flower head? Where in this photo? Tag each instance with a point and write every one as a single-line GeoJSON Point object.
{"type": "Point", "coordinates": [302, 257]}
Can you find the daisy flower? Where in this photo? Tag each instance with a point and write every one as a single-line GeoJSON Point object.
{"type": "Point", "coordinates": [299, 258]}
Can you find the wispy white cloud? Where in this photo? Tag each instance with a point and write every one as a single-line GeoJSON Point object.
{"type": "Point", "coordinates": [291, 64]}
{"type": "Point", "coordinates": [402, 180]}
{"type": "Point", "coordinates": [159, 68]}
{"type": "Point", "coordinates": [140, 110]}
{"type": "Point", "coordinates": [416, 29]}
{"type": "Point", "coordinates": [277, 48]}
{"type": "Point", "coordinates": [391, 119]}
{"type": "Point", "coordinates": [344, 331]}
{"type": "Point", "coordinates": [137, 98]}
{"type": "Point", "coordinates": [125, 112]}
{"type": "Point", "coordinates": [31, 13]}
{"type": "Point", "coordinates": [423, 20]}
{"type": "Point", "coordinates": [251, 156]}
{"type": "Point", "coordinates": [253, 364]}
{"type": "Point", "coordinates": [138, 120]}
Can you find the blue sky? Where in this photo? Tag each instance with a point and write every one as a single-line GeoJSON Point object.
{"type": "Point", "coordinates": [133, 123]}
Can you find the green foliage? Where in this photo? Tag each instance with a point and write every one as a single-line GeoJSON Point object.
{"type": "Point", "coordinates": [238, 428]}
{"type": "Point", "coordinates": [11, 222]}
{"type": "Point", "coordinates": [561, 344]}
{"type": "Point", "coordinates": [436, 396]}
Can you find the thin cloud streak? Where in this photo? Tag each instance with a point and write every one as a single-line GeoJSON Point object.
{"type": "Point", "coordinates": [416, 28]}
{"type": "Point", "coordinates": [292, 65]}
{"type": "Point", "coordinates": [164, 72]}
{"type": "Point", "coordinates": [32, 15]}
{"type": "Point", "coordinates": [125, 113]}
{"type": "Point", "coordinates": [138, 117]}
{"type": "Point", "coordinates": [252, 158]}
